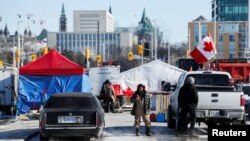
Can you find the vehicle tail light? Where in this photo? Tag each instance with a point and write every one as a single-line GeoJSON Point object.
{"type": "Point", "coordinates": [98, 120]}
{"type": "Point", "coordinates": [242, 100]}
{"type": "Point", "coordinates": [43, 120]}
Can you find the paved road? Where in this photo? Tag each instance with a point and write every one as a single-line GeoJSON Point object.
{"type": "Point", "coordinates": [16, 130]}
{"type": "Point", "coordinates": [119, 127]}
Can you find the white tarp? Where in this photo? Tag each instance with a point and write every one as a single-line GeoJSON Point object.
{"type": "Point", "coordinates": [150, 74]}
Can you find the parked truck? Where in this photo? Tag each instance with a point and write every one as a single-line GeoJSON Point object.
{"type": "Point", "coordinates": [239, 69]}
{"type": "Point", "coordinates": [100, 74]}
{"type": "Point", "coordinates": [7, 89]}
{"type": "Point", "coordinates": [219, 103]}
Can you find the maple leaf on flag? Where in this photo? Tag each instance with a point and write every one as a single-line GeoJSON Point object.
{"type": "Point", "coordinates": [117, 89]}
{"type": "Point", "coordinates": [128, 92]}
{"type": "Point", "coordinates": [204, 51]}
{"type": "Point", "coordinates": [208, 46]}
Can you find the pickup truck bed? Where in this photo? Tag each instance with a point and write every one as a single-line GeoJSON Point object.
{"type": "Point", "coordinates": [216, 105]}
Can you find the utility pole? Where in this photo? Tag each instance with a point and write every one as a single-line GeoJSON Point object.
{"type": "Point", "coordinates": [168, 52]}
{"type": "Point", "coordinates": [188, 43]}
{"type": "Point", "coordinates": [155, 39]}
{"type": "Point", "coordinates": [248, 24]}
{"type": "Point", "coordinates": [103, 52]}
{"type": "Point", "coordinates": [18, 41]}
{"type": "Point", "coordinates": [199, 25]}
{"type": "Point", "coordinates": [215, 32]}
{"type": "Point", "coordinates": [142, 43]}
{"type": "Point", "coordinates": [151, 46]}
{"type": "Point", "coordinates": [0, 19]}
{"type": "Point", "coordinates": [21, 53]}
{"type": "Point", "coordinates": [98, 38]}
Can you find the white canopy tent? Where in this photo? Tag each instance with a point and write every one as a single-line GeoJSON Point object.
{"type": "Point", "coordinates": [150, 74]}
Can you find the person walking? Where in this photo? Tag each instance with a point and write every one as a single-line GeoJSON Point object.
{"type": "Point", "coordinates": [141, 108]}
{"type": "Point", "coordinates": [109, 97]}
{"type": "Point", "coordinates": [188, 101]}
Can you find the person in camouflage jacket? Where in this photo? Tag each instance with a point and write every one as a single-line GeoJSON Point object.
{"type": "Point", "coordinates": [141, 108]}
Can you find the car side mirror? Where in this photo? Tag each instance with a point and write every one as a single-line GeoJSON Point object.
{"type": "Point", "coordinates": [173, 87]}
{"type": "Point", "coordinates": [165, 86]}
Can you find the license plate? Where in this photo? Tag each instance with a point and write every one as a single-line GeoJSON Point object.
{"type": "Point", "coordinates": [214, 112]}
{"type": "Point", "coordinates": [70, 119]}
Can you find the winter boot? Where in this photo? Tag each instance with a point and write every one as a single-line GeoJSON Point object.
{"type": "Point", "coordinates": [148, 133]}
{"type": "Point", "coordinates": [137, 132]}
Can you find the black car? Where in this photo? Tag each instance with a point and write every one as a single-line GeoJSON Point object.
{"type": "Point", "coordinates": [71, 115]}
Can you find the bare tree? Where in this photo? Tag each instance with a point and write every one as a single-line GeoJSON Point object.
{"type": "Point", "coordinates": [80, 59]}
{"type": "Point", "coordinates": [177, 51]}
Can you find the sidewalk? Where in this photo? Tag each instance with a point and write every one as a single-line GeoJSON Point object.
{"type": "Point", "coordinates": [17, 130]}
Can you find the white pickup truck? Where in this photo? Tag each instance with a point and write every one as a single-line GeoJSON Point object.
{"type": "Point", "coordinates": [218, 103]}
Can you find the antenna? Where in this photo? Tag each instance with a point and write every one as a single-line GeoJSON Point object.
{"type": "Point", "coordinates": [28, 18]}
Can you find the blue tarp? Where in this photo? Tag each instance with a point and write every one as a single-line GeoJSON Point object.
{"type": "Point", "coordinates": [35, 90]}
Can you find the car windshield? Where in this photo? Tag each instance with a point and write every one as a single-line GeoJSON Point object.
{"type": "Point", "coordinates": [210, 79]}
{"type": "Point", "coordinates": [246, 90]}
{"type": "Point", "coordinates": [70, 102]}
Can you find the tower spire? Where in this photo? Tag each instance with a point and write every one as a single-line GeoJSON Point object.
{"type": "Point", "coordinates": [143, 18]}
{"type": "Point", "coordinates": [110, 9]}
{"type": "Point", "coordinates": [63, 11]}
{"type": "Point", "coordinates": [6, 31]}
{"type": "Point", "coordinates": [63, 20]}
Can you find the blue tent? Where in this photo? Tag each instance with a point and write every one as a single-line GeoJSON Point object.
{"type": "Point", "coordinates": [50, 74]}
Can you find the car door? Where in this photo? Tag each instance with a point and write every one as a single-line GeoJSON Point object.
{"type": "Point", "coordinates": [174, 98]}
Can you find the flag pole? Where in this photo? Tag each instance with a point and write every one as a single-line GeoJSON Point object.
{"type": "Point", "coordinates": [215, 32]}
{"type": "Point", "coordinates": [248, 24]}
{"type": "Point", "coordinates": [188, 43]}
{"type": "Point", "coordinates": [200, 31]}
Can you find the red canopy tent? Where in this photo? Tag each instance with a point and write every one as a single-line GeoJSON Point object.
{"type": "Point", "coordinates": [53, 63]}
{"type": "Point", "coordinates": [50, 74]}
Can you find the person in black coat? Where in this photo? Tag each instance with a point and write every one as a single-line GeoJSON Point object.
{"type": "Point", "coordinates": [188, 101]}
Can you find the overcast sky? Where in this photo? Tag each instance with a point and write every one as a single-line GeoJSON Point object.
{"type": "Point", "coordinates": [171, 15]}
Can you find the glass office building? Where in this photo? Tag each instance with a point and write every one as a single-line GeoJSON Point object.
{"type": "Point", "coordinates": [230, 10]}
{"type": "Point", "coordinates": [231, 39]}
{"type": "Point", "coordinates": [81, 41]}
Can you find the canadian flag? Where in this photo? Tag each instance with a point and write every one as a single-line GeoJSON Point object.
{"type": "Point", "coordinates": [205, 50]}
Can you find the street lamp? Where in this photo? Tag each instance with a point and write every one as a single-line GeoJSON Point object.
{"type": "Point", "coordinates": [188, 56]}
{"type": "Point", "coordinates": [168, 53]}
{"type": "Point", "coordinates": [98, 38]}
{"type": "Point", "coordinates": [103, 52]}
{"type": "Point", "coordinates": [28, 18]}
{"type": "Point", "coordinates": [41, 23]}
{"type": "Point", "coordinates": [18, 39]}
{"type": "Point", "coordinates": [248, 24]}
{"type": "Point", "coordinates": [155, 41]}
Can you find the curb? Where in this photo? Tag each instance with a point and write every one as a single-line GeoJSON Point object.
{"type": "Point", "coordinates": [31, 135]}
{"type": "Point", "coordinates": [5, 124]}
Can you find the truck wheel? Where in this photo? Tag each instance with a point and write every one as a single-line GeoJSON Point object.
{"type": "Point", "coordinates": [240, 122]}
{"type": "Point", "coordinates": [243, 122]}
{"type": "Point", "coordinates": [171, 120]}
{"type": "Point", "coordinates": [249, 110]}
